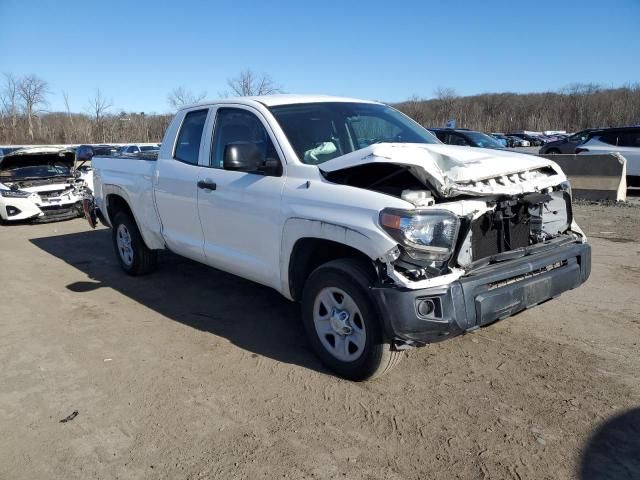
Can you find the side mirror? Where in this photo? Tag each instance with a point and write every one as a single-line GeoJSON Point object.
{"type": "Point", "coordinates": [84, 153]}
{"type": "Point", "coordinates": [243, 157]}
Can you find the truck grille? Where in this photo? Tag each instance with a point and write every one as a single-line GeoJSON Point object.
{"type": "Point", "coordinates": [497, 232]}
{"type": "Point", "coordinates": [518, 223]}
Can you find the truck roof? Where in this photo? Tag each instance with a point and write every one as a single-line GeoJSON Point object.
{"type": "Point", "coordinates": [279, 99]}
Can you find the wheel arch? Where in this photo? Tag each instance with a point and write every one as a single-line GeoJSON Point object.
{"type": "Point", "coordinates": [115, 203]}
{"type": "Point", "coordinates": [308, 253]}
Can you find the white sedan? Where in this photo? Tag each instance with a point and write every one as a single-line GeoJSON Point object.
{"type": "Point", "coordinates": [40, 184]}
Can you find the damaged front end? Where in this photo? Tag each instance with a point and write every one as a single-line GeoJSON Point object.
{"type": "Point", "coordinates": [484, 240]}
{"type": "Point", "coordinates": [40, 185]}
{"type": "Point", "coordinates": [509, 254]}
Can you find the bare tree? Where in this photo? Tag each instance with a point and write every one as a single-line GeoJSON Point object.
{"type": "Point", "coordinates": [248, 83]}
{"type": "Point", "coordinates": [66, 104]}
{"type": "Point", "coordinates": [98, 106]}
{"type": "Point", "coordinates": [180, 96]}
{"type": "Point", "coordinates": [446, 101]}
{"type": "Point", "coordinates": [9, 101]}
{"type": "Point", "coordinates": [33, 91]}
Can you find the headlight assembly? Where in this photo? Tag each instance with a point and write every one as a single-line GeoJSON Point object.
{"type": "Point", "coordinates": [14, 194]}
{"type": "Point", "coordinates": [425, 234]}
{"type": "Point", "coordinates": [566, 187]}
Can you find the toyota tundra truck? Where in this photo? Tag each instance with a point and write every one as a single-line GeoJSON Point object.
{"type": "Point", "coordinates": [388, 238]}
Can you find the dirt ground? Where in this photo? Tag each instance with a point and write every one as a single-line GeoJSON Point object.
{"type": "Point", "coordinates": [191, 373]}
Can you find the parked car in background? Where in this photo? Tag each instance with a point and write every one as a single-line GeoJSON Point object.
{"type": "Point", "coordinates": [534, 141]}
{"type": "Point", "coordinates": [466, 138]}
{"type": "Point", "coordinates": [105, 149]}
{"type": "Point", "coordinates": [566, 145]}
{"type": "Point", "coordinates": [520, 142]}
{"type": "Point", "coordinates": [139, 148]}
{"type": "Point", "coordinates": [40, 184]}
{"type": "Point", "coordinates": [503, 139]}
{"type": "Point", "coordinates": [625, 141]}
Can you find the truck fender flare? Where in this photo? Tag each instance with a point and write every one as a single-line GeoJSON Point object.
{"type": "Point", "coordinates": [295, 229]}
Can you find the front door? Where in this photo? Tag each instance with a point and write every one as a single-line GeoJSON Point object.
{"type": "Point", "coordinates": [241, 211]}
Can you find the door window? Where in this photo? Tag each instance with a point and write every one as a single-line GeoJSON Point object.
{"type": "Point", "coordinates": [455, 139]}
{"type": "Point", "coordinates": [579, 138]}
{"type": "Point", "coordinates": [188, 144]}
{"type": "Point", "coordinates": [610, 138]}
{"type": "Point", "coordinates": [237, 125]}
{"type": "Point", "coordinates": [630, 139]}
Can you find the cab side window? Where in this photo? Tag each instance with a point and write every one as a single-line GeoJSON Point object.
{"type": "Point", "coordinates": [190, 136]}
{"type": "Point", "coordinates": [234, 125]}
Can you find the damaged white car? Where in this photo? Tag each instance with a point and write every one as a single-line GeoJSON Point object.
{"type": "Point", "coordinates": [388, 238]}
{"type": "Point", "coordinates": [40, 184]}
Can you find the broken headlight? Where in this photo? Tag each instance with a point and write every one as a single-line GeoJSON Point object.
{"type": "Point", "coordinates": [14, 194]}
{"type": "Point", "coordinates": [425, 234]}
{"type": "Point", "coordinates": [566, 187]}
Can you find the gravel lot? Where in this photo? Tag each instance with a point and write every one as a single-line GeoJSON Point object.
{"type": "Point", "coordinates": [192, 373]}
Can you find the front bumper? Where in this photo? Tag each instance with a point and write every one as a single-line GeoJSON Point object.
{"type": "Point", "coordinates": [482, 297]}
{"type": "Point", "coordinates": [21, 209]}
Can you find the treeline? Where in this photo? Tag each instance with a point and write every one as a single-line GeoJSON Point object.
{"type": "Point", "coordinates": [573, 108]}
{"type": "Point", "coordinates": [63, 128]}
{"type": "Point", "coordinates": [25, 119]}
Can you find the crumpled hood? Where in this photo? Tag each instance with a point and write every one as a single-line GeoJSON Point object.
{"type": "Point", "coordinates": [454, 170]}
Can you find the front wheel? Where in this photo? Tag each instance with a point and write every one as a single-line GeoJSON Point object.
{"type": "Point", "coordinates": [134, 256]}
{"type": "Point", "coordinates": [342, 323]}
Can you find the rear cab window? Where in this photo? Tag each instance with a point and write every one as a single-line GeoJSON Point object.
{"type": "Point", "coordinates": [187, 147]}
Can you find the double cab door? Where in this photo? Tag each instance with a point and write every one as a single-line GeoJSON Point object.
{"type": "Point", "coordinates": [228, 219]}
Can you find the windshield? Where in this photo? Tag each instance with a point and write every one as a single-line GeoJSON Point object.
{"type": "Point", "coordinates": [483, 140]}
{"type": "Point", "coordinates": [38, 171]}
{"type": "Point", "coordinates": [322, 131]}
{"type": "Point", "coordinates": [148, 148]}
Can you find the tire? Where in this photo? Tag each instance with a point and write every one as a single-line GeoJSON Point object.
{"type": "Point", "coordinates": [553, 151]}
{"type": "Point", "coordinates": [351, 345]}
{"type": "Point", "coordinates": [134, 256]}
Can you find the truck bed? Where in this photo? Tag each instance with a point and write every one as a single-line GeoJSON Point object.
{"type": "Point", "coordinates": [131, 177]}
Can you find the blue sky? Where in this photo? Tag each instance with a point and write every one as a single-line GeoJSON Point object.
{"type": "Point", "coordinates": [137, 51]}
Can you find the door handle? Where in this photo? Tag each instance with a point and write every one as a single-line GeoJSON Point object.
{"type": "Point", "coordinates": [206, 185]}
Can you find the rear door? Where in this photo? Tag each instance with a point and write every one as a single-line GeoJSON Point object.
{"type": "Point", "coordinates": [241, 212]}
{"type": "Point", "coordinates": [176, 190]}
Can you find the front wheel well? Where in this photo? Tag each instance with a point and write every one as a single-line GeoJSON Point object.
{"type": "Point", "coordinates": [309, 253]}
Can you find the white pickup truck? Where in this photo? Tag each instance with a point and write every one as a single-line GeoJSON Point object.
{"type": "Point", "coordinates": [388, 238]}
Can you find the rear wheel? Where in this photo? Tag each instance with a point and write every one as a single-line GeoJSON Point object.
{"type": "Point", "coordinates": [134, 256]}
{"type": "Point", "coordinates": [342, 323]}
{"type": "Point", "coordinates": [553, 151]}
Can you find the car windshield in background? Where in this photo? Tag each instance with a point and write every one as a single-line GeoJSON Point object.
{"type": "Point", "coordinates": [483, 140]}
{"type": "Point", "coordinates": [149, 148]}
{"type": "Point", "coordinates": [322, 131]}
{"type": "Point", "coordinates": [38, 171]}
